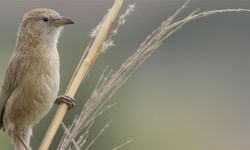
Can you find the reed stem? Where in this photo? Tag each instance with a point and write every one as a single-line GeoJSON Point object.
{"type": "Point", "coordinates": [81, 72]}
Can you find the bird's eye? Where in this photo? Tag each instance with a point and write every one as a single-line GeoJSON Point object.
{"type": "Point", "coordinates": [45, 19]}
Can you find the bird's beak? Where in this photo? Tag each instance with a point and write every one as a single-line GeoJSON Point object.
{"type": "Point", "coordinates": [63, 21]}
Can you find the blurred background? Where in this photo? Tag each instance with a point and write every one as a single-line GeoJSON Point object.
{"type": "Point", "coordinates": [191, 94]}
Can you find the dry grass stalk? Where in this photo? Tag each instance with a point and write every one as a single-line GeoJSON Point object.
{"type": "Point", "coordinates": [81, 72]}
{"type": "Point", "coordinates": [121, 145]}
{"type": "Point", "coordinates": [108, 85]}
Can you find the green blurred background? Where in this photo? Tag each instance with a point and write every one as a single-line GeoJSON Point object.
{"type": "Point", "coordinates": [191, 94]}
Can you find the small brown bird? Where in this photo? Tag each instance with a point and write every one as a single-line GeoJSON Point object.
{"type": "Point", "coordinates": [32, 78]}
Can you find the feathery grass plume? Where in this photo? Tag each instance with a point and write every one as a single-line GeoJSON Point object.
{"type": "Point", "coordinates": [110, 83]}
{"type": "Point", "coordinates": [121, 21]}
{"type": "Point", "coordinates": [96, 30]}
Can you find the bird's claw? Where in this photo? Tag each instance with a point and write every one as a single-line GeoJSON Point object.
{"type": "Point", "coordinates": [69, 101]}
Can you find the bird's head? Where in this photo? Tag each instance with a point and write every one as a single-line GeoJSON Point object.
{"type": "Point", "coordinates": [43, 24]}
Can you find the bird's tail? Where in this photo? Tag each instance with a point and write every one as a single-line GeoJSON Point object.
{"type": "Point", "coordinates": [22, 141]}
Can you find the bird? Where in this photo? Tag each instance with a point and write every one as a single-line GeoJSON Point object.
{"type": "Point", "coordinates": [31, 82]}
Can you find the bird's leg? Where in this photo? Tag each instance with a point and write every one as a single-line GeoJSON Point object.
{"type": "Point", "coordinates": [23, 143]}
{"type": "Point", "coordinates": [69, 101]}
{"type": "Point", "coordinates": [21, 140]}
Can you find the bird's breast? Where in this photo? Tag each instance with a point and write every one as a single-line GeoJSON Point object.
{"type": "Point", "coordinates": [45, 77]}
{"type": "Point", "coordinates": [40, 85]}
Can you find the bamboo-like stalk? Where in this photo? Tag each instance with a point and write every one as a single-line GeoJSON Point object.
{"type": "Point", "coordinates": [81, 71]}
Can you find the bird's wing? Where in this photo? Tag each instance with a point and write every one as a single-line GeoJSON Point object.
{"type": "Point", "coordinates": [13, 75]}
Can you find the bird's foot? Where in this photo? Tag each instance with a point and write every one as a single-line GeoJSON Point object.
{"type": "Point", "coordinates": [69, 101]}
